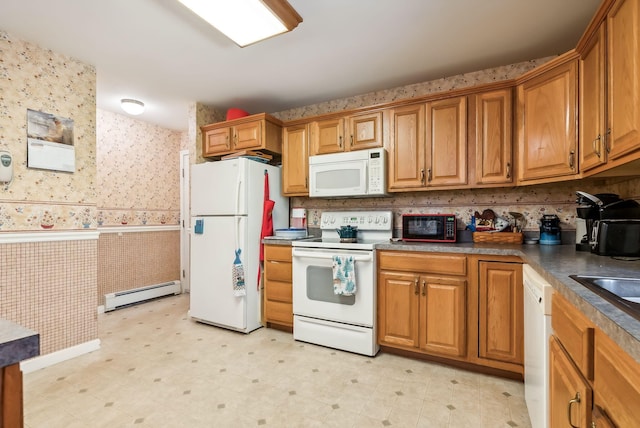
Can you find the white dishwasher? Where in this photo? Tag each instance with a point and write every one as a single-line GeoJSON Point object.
{"type": "Point", "coordinates": [537, 330]}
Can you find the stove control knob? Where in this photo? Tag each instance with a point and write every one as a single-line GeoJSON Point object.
{"type": "Point", "coordinates": [370, 219]}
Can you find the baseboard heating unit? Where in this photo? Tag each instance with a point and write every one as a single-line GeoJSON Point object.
{"type": "Point", "coordinates": [124, 298]}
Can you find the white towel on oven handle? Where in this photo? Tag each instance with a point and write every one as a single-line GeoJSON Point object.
{"type": "Point", "coordinates": [344, 275]}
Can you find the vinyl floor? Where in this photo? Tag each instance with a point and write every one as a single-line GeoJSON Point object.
{"type": "Point", "coordinates": [158, 368]}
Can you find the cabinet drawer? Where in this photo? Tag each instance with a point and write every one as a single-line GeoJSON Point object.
{"type": "Point", "coordinates": [279, 312]}
{"type": "Point", "coordinates": [448, 264]}
{"type": "Point", "coordinates": [575, 332]}
{"type": "Point", "coordinates": [277, 252]}
{"type": "Point", "coordinates": [276, 270]}
{"type": "Point", "coordinates": [278, 291]}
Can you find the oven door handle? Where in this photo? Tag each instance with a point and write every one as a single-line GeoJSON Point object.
{"type": "Point", "coordinates": [323, 255]}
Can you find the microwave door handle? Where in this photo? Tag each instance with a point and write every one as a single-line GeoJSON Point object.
{"type": "Point", "coordinates": [313, 255]}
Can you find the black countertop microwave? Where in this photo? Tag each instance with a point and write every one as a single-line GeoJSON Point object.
{"type": "Point", "coordinates": [429, 227]}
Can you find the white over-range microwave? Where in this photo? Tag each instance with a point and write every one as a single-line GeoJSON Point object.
{"type": "Point", "coordinates": [361, 173]}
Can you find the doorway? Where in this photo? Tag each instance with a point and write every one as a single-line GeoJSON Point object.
{"type": "Point", "coordinates": [185, 223]}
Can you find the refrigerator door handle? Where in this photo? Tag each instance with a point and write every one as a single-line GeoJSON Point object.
{"type": "Point", "coordinates": [238, 196]}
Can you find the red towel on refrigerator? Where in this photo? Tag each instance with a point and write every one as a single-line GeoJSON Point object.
{"type": "Point", "coordinates": [267, 221]}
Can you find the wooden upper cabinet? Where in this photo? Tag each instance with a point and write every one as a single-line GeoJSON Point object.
{"type": "Point", "coordinates": [592, 102]}
{"type": "Point", "coordinates": [547, 124]}
{"type": "Point", "coordinates": [364, 131]}
{"type": "Point", "coordinates": [623, 80]}
{"type": "Point", "coordinates": [493, 132]}
{"type": "Point", "coordinates": [295, 160]}
{"type": "Point", "coordinates": [247, 135]}
{"type": "Point", "coordinates": [446, 142]}
{"type": "Point", "coordinates": [407, 158]}
{"type": "Point", "coordinates": [501, 312]}
{"type": "Point", "coordinates": [355, 132]}
{"type": "Point", "coordinates": [255, 132]}
{"type": "Point", "coordinates": [327, 136]}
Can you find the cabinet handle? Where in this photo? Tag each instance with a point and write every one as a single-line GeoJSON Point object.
{"type": "Point", "coordinates": [340, 142]}
{"type": "Point", "coordinates": [429, 175]}
{"type": "Point", "coordinates": [607, 146]}
{"type": "Point", "coordinates": [575, 399]}
{"type": "Point", "coordinates": [424, 288]}
{"type": "Point", "coordinates": [416, 291]}
{"type": "Point", "coordinates": [422, 175]}
{"type": "Point", "coordinates": [235, 139]}
{"type": "Point", "coordinates": [509, 170]}
{"type": "Point", "coordinates": [351, 141]}
{"type": "Point", "coordinates": [597, 150]}
{"type": "Point", "coordinates": [227, 140]}
{"type": "Point", "coordinates": [571, 159]}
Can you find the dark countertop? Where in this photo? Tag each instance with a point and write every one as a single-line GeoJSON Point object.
{"type": "Point", "coordinates": [555, 263]}
{"type": "Point", "coordinates": [17, 343]}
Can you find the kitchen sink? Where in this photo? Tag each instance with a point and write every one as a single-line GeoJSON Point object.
{"type": "Point", "coordinates": [622, 292]}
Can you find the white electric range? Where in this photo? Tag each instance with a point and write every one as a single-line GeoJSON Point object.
{"type": "Point", "coordinates": [319, 315]}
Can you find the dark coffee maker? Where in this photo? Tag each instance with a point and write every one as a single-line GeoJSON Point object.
{"type": "Point", "coordinates": [601, 206]}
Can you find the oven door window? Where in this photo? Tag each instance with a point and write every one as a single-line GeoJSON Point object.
{"type": "Point", "coordinates": [320, 286]}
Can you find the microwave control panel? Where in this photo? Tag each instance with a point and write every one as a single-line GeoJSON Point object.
{"type": "Point", "coordinates": [377, 176]}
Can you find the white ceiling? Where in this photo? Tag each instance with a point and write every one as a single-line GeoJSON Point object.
{"type": "Point", "coordinates": [157, 51]}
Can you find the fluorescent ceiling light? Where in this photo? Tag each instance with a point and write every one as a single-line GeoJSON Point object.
{"type": "Point", "coordinates": [133, 107]}
{"type": "Point", "coordinates": [246, 21]}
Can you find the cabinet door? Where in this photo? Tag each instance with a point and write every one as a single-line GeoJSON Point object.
{"type": "Point", "coordinates": [406, 166]}
{"type": "Point", "coordinates": [216, 141]}
{"type": "Point", "coordinates": [295, 161]}
{"type": "Point", "coordinates": [446, 142]}
{"type": "Point", "coordinates": [247, 136]}
{"type": "Point", "coordinates": [365, 131]}
{"type": "Point", "coordinates": [570, 396]}
{"type": "Point", "coordinates": [327, 136]}
{"type": "Point", "coordinates": [443, 316]}
{"type": "Point", "coordinates": [398, 309]}
{"type": "Point", "coordinates": [501, 324]}
{"type": "Point", "coordinates": [494, 159]}
{"type": "Point", "coordinates": [547, 121]}
{"type": "Point", "coordinates": [592, 102]}
{"type": "Point", "coordinates": [623, 50]}
{"type": "Point", "coordinates": [616, 382]}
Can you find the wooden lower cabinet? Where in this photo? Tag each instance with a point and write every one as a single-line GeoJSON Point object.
{"type": "Point", "coordinates": [11, 401]}
{"type": "Point", "coordinates": [616, 384]}
{"type": "Point", "coordinates": [501, 312]}
{"type": "Point", "coordinates": [422, 301]}
{"type": "Point", "coordinates": [591, 378]}
{"type": "Point", "coordinates": [443, 316]}
{"type": "Point", "coordinates": [278, 297]}
{"type": "Point", "coordinates": [570, 394]}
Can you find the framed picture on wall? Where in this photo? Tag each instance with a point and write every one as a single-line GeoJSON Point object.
{"type": "Point", "coordinates": [50, 142]}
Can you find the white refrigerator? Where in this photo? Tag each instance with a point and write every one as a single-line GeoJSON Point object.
{"type": "Point", "coordinates": [227, 199]}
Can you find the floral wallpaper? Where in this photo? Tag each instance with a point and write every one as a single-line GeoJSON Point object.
{"type": "Point", "coordinates": [138, 174]}
{"type": "Point", "coordinates": [496, 74]}
{"type": "Point", "coordinates": [43, 80]}
{"type": "Point", "coordinates": [200, 115]}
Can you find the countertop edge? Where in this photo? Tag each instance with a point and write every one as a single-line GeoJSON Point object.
{"type": "Point", "coordinates": [17, 343]}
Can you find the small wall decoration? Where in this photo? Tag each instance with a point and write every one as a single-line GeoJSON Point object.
{"type": "Point", "coordinates": [50, 142]}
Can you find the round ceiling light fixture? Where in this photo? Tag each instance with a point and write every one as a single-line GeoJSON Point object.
{"type": "Point", "coordinates": [131, 106]}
